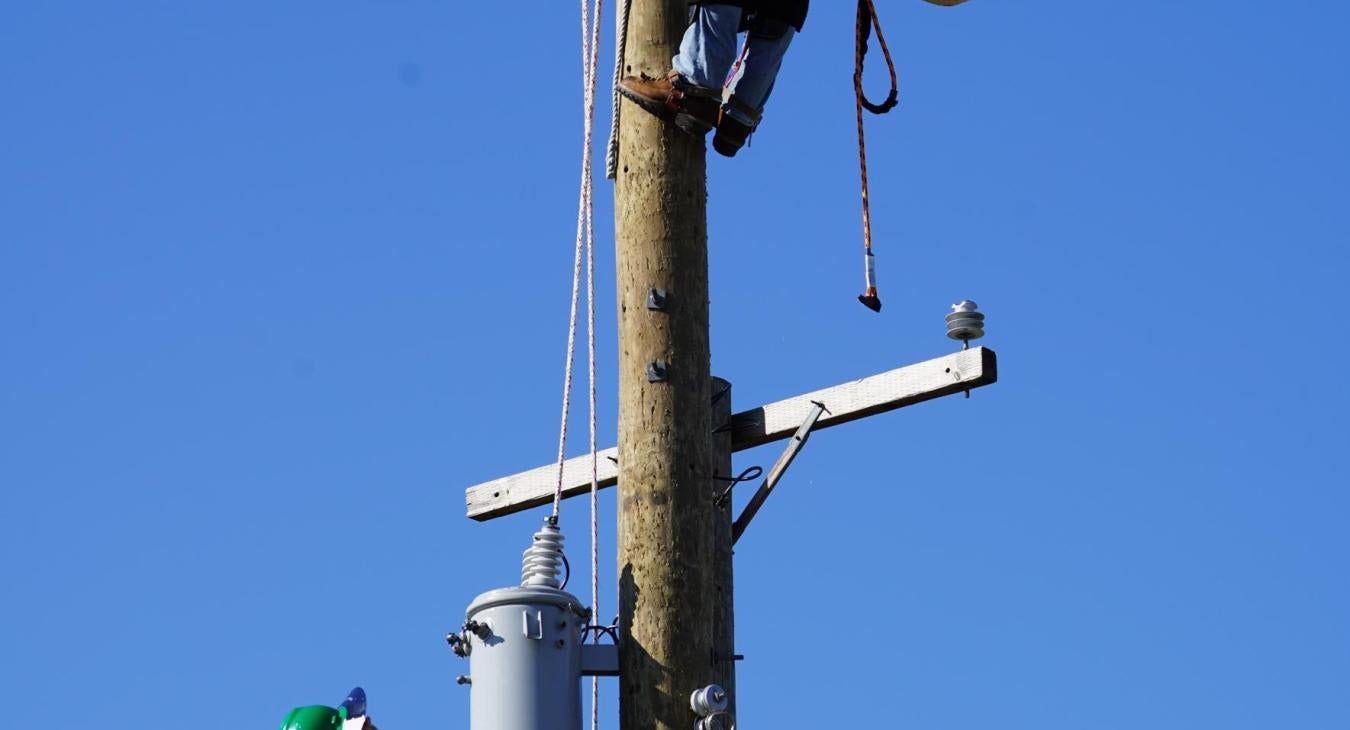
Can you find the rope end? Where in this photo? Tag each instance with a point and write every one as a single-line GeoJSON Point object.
{"type": "Point", "coordinates": [870, 299]}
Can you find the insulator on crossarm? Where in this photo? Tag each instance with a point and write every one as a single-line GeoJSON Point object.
{"type": "Point", "coordinates": [540, 565]}
{"type": "Point", "coordinates": [964, 323]}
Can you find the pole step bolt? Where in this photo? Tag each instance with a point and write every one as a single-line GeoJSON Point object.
{"type": "Point", "coordinates": [657, 371]}
{"type": "Point", "coordinates": [656, 299]}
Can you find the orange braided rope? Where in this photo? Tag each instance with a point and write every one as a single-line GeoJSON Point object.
{"type": "Point", "coordinates": [867, 21]}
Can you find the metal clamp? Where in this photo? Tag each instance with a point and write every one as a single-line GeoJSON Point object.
{"type": "Point", "coordinates": [656, 299]}
{"type": "Point", "coordinates": [459, 642]}
{"type": "Point", "coordinates": [657, 371]}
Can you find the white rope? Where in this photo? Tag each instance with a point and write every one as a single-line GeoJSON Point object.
{"type": "Point", "coordinates": [567, 370]}
{"type": "Point", "coordinates": [620, 50]}
{"type": "Point", "coordinates": [592, 71]}
{"type": "Point", "coordinates": [590, 37]}
{"type": "Point", "coordinates": [611, 173]}
{"type": "Point", "coordinates": [585, 239]}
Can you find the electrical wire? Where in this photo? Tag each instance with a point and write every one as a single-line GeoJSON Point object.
{"type": "Point", "coordinates": [753, 472]}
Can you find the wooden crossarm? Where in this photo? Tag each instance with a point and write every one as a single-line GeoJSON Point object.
{"type": "Point", "coordinates": [846, 402]}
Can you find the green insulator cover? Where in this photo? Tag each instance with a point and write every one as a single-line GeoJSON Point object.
{"type": "Point", "coordinates": [313, 717]}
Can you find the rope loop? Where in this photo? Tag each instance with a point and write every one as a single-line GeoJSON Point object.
{"type": "Point", "coordinates": [867, 21]}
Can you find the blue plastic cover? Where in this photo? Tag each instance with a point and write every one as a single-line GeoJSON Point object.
{"type": "Point", "coordinates": [355, 704]}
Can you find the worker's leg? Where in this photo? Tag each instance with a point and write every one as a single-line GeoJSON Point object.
{"type": "Point", "coordinates": [764, 51]}
{"type": "Point", "coordinates": [691, 95]}
{"type": "Point", "coordinates": [709, 46]}
{"type": "Point", "coordinates": [765, 47]}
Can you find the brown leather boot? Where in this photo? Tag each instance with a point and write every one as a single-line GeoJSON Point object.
{"type": "Point", "coordinates": [693, 109]}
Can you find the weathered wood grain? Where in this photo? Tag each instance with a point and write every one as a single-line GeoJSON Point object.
{"type": "Point", "coordinates": [664, 541]}
{"type": "Point", "coordinates": [724, 597]}
{"type": "Point", "coordinates": [518, 492]}
{"type": "Point", "coordinates": [846, 402]}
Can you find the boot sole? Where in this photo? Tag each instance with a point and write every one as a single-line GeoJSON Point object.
{"type": "Point", "coordinates": [685, 122]}
{"type": "Point", "coordinates": [657, 108]}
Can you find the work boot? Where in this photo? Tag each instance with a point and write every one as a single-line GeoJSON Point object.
{"type": "Point", "coordinates": [693, 109]}
{"type": "Point", "coordinates": [731, 131]}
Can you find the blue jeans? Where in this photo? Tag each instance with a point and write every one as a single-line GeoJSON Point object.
{"type": "Point", "coordinates": [709, 49]}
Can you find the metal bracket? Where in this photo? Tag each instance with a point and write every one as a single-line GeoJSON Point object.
{"type": "Point", "coordinates": [794, 446]}
{"type": "Point", "coordinates": [656, 299]}
{"type": "Point", "coordinates": [657, 370]}
{"type": "Point", "coordinates": [599, 660]}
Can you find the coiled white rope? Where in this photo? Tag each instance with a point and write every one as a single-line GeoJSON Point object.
{"type": "Point", "coordinates": [620, 49]}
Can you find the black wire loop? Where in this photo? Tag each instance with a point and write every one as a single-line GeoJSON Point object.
{"type": "Point", "coordinates": [612, 631]}
{"type": "Point", "coordinates": [753, 472]}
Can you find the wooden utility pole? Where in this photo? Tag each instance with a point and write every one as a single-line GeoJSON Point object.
{"type": "Point", "coordinates": [676, 624]}
{"type": "Point", "coordinates": [693, 627]}
{"type": "Point", "coordinates": [665, 537]}
{"type": "Point", "coordinates": [713, 629]}
{"type": "Point", "coordinates": [724, 603]}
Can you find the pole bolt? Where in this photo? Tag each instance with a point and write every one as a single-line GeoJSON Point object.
{"type": "Point", "coordinates": [657, 371]}
{"type": "Point", "coordinates": [656, 299]}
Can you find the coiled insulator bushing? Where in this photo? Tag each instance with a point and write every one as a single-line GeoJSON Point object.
{"type": "Point", "coordinates": [964, 323]}
{"type": "Point", "coordinates": [540, 565]}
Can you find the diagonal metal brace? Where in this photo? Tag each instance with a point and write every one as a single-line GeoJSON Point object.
{"type": "Point", "coordinates": [794, 447]}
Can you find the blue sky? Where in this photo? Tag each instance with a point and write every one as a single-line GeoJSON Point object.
{"type": "Point", "coordinates": [279, 280]}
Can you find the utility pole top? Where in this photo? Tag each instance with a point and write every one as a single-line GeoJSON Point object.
{"type": "Point", "coordinates": [672, 465]}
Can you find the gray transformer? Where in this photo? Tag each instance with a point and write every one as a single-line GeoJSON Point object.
{"type": "Point", "coordinates": [525, 659]}
{"type": "Point", "coordinates": [524, 646]}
